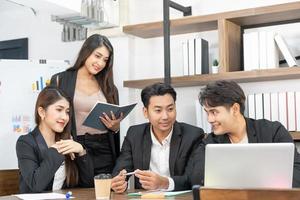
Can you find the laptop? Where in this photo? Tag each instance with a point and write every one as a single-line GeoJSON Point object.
{"type": "Point", "coordinates": [261, 165]}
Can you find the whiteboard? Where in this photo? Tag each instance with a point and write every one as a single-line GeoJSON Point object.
{"type": "Point", "coordinates": [20, 83]}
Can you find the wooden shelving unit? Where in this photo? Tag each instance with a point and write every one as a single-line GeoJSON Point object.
{"type": "Point", "coordinates": [230, 27]}
{"type": "Point", "coordinates": [260, 16]}
{"type": "Point", "coordinates": [239, 76]}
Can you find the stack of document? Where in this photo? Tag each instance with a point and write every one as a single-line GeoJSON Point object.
{"type": "Point", "coordinates": [157, 194]}
{"type": "Point", "coordinates": [40, 196]}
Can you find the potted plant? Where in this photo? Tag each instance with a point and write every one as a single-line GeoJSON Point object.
{"type": "Point", "coordinates": [215, 66]}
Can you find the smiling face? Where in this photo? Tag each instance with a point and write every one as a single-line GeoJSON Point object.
{"type": "Point", "coordinates": [220, 118]}
{"type": "Point", "coordinates": [56, 116]}
{"type": "Point", "coordinates": [161, 113]}
{"type": "Point", "coordinates": [97, 61]}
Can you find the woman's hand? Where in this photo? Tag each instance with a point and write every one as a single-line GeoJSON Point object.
{"type": "Point", "coordinates": [111, 123]}
{"type": "Point", "coordinates": [70, 147]}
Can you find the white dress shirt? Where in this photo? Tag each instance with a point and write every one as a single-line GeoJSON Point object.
{"type": "Point", "coordinates": [159, 160]}
{"type": "Point", "coordinates": [243, 141]}
{"type": "Point", "coordinates": [59, 177]}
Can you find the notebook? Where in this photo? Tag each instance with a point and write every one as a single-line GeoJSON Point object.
{"type": "Point", "coordinates": [263, 165]}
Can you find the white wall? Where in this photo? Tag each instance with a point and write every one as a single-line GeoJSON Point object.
{"type": "Point", "coordinates": [44, 35]}
{"type": "Point", "coordinates": [147, 11]}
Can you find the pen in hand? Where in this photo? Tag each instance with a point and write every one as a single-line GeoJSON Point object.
{"type": "Point", "coordinates": [129, 173]}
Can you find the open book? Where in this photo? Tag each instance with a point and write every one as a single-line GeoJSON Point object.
{"type": "Point", "coordinates": [93, 119]}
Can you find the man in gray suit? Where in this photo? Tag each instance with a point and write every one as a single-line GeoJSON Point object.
{"type": "Point", "coordinates": [158, 152]}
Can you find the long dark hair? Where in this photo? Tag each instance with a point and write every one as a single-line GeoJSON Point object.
{"type": "Point", "coordinates": [105, 77]}
{"type": "Point", "coordinates": [48, 96]}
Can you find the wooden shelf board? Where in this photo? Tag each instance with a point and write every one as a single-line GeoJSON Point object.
{"type": "Point", "coordinates": [238, 76]}
{"type": "Point", "coordinates": [275, 14]}
{"type": "Point", "coordinates": [295, 136]}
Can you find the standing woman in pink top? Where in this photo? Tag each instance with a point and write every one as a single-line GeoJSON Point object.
{"type": "Point", "coordinates": [90, 80]}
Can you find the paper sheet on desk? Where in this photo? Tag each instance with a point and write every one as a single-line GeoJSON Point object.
{"type": "Point", "coordinates": [40, 196]}
{"type": "Point", "coordinates": [163, 193]}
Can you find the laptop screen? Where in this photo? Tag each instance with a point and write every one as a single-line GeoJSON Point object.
{"type": "Point", "coordinates": [262, 165]}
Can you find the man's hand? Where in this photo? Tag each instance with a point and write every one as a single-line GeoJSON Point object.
{"type": "Point", "coordinates": [152, 181]}
{"type": "Point", "coordinates": [119, 183]}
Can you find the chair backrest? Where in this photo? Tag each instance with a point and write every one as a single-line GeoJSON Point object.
{"type": "Point", "coordinates": [9, 182]}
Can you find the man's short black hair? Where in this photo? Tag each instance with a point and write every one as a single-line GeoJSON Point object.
{"type": "Point", "coordinates": [157, 89]}
{"type": "Point", "coordinates": [222, 93]}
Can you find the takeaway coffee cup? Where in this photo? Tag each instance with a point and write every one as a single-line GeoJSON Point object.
{"type": "Point", "coordinates": [102, 186]}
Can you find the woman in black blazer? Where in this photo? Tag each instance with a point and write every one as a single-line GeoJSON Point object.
{"type": "Point", "coordinates": [48, 158]}
{"type": "Point", "coordinates": [88, 81]}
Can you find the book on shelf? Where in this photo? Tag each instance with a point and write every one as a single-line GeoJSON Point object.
{"type": "Point", "coordinates": [191, 51]}
{"type": "Point", "coordinates": [291, 109]}
{"type": "Point", "coordinates": [267, 106]}
{"type": "Point", "coordinates": [277, 106]}
{"type": "Point", "coordinates": [185, 57]}
{"type": "Point", "coordinates": [251, 51]}
{"type": "Point", "coordinates": [259, 106]}
{"type": "Point", "coordinates": [260, 51]}
{"type": "Point", "coordinates": [195, 56]}
{"type": "Point", "coordinates": [201, 56]}
{"type": "Point", "coordinates": [282, 109]}
{"type": "Point", "coordinates": [272, 51]}
{"type": "Point", "coordinates": [297, 94]}
{"type": "Point", "coordinates": [274, 106]}
{"type": "Point", "coordinates": [251, 106]}
{"type": "Point", "coordinates": [93, 119]}
{"type": "Point", "coordinates": [284, 49]}
{"type": "Point", "coordinates": [263, 60]}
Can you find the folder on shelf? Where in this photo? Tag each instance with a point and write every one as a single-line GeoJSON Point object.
{"type": "Point", "coordinates": [290, 59]}
{"type": "Point", "coordinates": [274, 107]}
{"type": "Point", "coordinates": [298, 110]}
{"type": "Point", "coordinates": [282, 109]}
{"type": "Point", "coordinates": [272, 51]}
{"type": "Point", "coordinates": [291, 109]}
{"type": "Point", "coordinates": [251, 51]}
{"type": "Point", "coordinates": [251, 106]}
{"type": "Point", "coordinates": [259, 106]}
{"type": "Point", "coordinates": [185, 56]}
{"type": "Point", "coordinates": [191, 45]}
{"type": "Point", "coordinates": [201, 56]}
{"type": "Point", "coordinates": [267, 106]}
{"type": "Point", "coordinates": [263, 62]}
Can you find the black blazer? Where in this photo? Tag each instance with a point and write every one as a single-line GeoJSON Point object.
{"type": "Point", "coordinates": [67, 81]}
{"type": "Point", "coordinates": [38, 164]}
{"type": "Point", "coordinates": [136, 151]}
{"type": "Point", "coordinates": [258, 131]}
